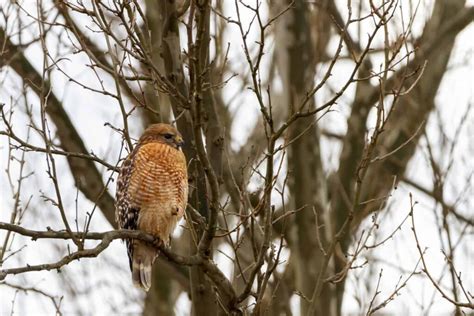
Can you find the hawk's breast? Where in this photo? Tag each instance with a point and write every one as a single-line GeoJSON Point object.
{"type": "Point", "coordinates": [159, 178]}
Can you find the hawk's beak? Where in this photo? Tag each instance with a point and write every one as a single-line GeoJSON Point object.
{"type": "Point", "coordinates": [179, 141]}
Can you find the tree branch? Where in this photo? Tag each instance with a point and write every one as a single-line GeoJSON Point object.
{"type": "Point", "coordinates": [86, 175]}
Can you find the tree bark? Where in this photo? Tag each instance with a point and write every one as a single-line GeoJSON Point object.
{"type": "Point", "coordinates": [296, 62]}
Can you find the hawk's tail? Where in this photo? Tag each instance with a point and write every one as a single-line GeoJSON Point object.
{"type": "Point", "coordinates": [141, 264]}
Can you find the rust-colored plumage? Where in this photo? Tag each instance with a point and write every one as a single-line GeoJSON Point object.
{"type": "Point", "coordinates": [152, 192]}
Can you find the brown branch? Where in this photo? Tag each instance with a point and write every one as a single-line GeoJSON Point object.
{"type": "Point", "coordinates": [29, 147]}
{"type": "Point", "coordinates": [440, 200]}
{"type": "Point", "coordinates": [86, 175]}
{"type": "Point", "coordinates": [441, 29]}
{"type": "Point", "coordinates": [210, 268]}
{"type": "Point", "coordinates": [54, 299]}
{"type": "Point", "coordinates": [426, 50]}
{"type": "Point", "coordinates": [94, 52]}
{"type": "Point", "coordinates": [200, 68]}
{"type": "Point", "coordinates": [425, 267]}
{"type": "Point", "coordinates": [106, 238]}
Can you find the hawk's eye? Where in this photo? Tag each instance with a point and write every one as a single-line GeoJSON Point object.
{"type": "Point", "coordinates": [168, 136]}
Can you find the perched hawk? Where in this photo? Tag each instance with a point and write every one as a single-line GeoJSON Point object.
{"type": "Point", "coordinates": [152, 192]}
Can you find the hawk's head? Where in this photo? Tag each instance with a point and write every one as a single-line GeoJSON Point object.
{"type": "Point", "coordinates": [163, 133]}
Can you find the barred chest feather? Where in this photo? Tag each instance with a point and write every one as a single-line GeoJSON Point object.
{"type": "Point", "coordinates": [154, 183]}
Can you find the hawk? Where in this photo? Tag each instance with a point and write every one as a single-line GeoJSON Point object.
{"type": "Point", "coordinates": [152, 193]}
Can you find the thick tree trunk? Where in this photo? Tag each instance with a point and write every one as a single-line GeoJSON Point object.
{"type": "Point", "coordinates": [297, 66]}
{"type": "Point", "coordinates": [166, 23]}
